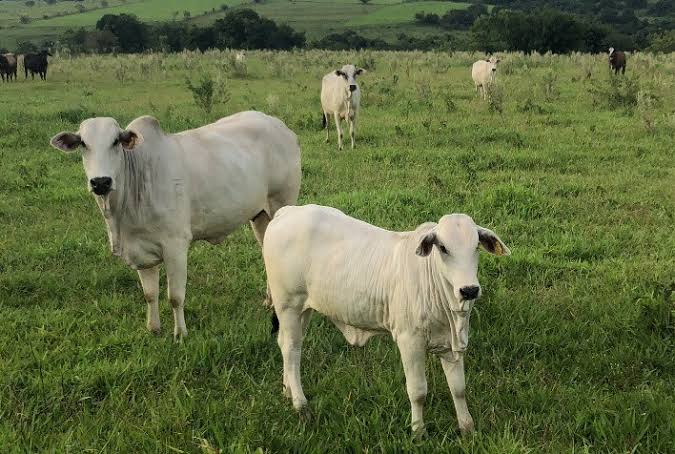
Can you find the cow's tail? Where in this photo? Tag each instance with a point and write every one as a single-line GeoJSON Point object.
{"type": "Point", "coordinates": [275, 323]}
{"type": "Point", "coordinates": [324, 120]}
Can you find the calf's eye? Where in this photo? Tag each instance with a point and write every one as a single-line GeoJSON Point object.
{"type": "Point", "coordinates": [443, 249]}
{"type": "Point", "coordinates": [116, 142]}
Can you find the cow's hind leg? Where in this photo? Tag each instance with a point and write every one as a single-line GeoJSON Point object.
{"type": "Point", "coordinates": [259, 225]}
{"type": "Point", "coordinates": [453, 366]}
{"type": "Point", "coordinates": [176, 273]}
{"type": "Point", "coordinates": [290, 343]}
{"type": "Point", "coordinates": [150, 282]}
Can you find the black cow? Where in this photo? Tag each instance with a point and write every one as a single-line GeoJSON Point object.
{"type": "Point", "coordinates": [36, 63]}
{"type": "Point", "coordinates": [617, 61]}
{"type": "Point", "coordinates": [7, 67]}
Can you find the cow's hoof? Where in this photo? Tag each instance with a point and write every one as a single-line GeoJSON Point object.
{"type": "Point", "coordinates": [179, 334]}
{"type": "Point", "coordinates": [420, 433]}
{"type": "Point", "coordinates": [287, 392]}
{"type": "Point", "coordinates": [154, 329]}
{"type": "Point", "coordinates": [305, 414]}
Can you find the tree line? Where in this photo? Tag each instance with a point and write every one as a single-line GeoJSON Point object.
{"type": "Point", "coordinates": [489, 31]}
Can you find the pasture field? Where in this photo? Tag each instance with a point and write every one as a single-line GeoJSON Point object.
{"type": "Point", "coordinates": [571, 346]}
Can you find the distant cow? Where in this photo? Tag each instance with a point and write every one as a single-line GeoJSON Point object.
{"type": "Point", "coordinates": [159, 192]}
{"type": "Point", "coordinates": [36, 63]}
{"type": "Point", "coordinates": [340, 97]}
{"type": "Point", "coordinates": [617, 61]}
{"type": "Point", "coordinates": [483, 73]}
{"type": "Point", "coordinates": [7, 67]}
{"type": "Point", "coordinates": [418, 286]}
{"type": "Point", "coordinates": [240, 57]}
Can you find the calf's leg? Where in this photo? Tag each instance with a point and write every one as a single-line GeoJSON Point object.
{"type": "Point", "coordinates": [453, 366]}
{"type": "Point", "coordinates": [176, 273]}
{"type": "Point", "coordinates": [352, 129]}
{"type": "Point", "coordinates": [290, 343]}
{"type": "Point", "coordinates": [150, 282]}
{"type": "Point", "coordinates": [413, 355]}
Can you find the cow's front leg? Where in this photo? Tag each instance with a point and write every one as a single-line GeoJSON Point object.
{"type": "Point", "coordinates": [413, 355]}
{"type": "Point", "coordinates": [453, 366]}
{"type": "Point", "coordinates": [338, 126]}
{"type": "Point", "coordinates": [352, 130]}
{"type": "Point", "coordinates": [176, 274]}
{"type": "Point", "coordinates": [150, 282]}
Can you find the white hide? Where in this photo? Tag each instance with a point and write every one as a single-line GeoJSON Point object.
{"type": "Point", "coordinates": [240, 57]}
{"type": "Point", "coordinates": [483, 73]}
{"type": "Point", "coordinates": [169, 190]}
{"type": "Point", "coordinates": [338, 100]}
{"type": "Point", "coordinates": [370, 281]}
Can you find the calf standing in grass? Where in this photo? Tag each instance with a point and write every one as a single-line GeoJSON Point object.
{"type": "Point", "coordinates": [159, 192]}
{"type": "Point", "coordinates": [617, 61]}
{"type": "Point", "coordinates": [483, 73]}
{"type": "Point", "coordinates": [340, 97]}
{"type": "Point", "coordinates": [418, 286]}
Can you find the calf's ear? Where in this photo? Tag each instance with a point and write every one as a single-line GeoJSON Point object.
{"type": "Point", "coordinates": [130, 139]}
{"type": "Point", "coordinates": [426, 244]}
{"type": "Point", "coordinates": [360, 71]}
{"type": "Point", "coordinates": [66, 141]}
{"type": "Point", "coordinates": [491, 242]}
{"type": "Point", "coordinates": [339, 73]}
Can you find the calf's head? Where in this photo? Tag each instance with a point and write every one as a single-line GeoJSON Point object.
{"type": "Point", "coordinates": [103, 143]}
{"type": "Point", "coordinates": [349, 73]}
{"type": "Point", "coordinates": [492, 61]}
{"type": "Point", "coordinates": [453, 246]}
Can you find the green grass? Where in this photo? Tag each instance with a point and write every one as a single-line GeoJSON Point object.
{"type": "Point", "coordinates": [571, 347]}
{"type": "Point", "coordinates": [405, 12]}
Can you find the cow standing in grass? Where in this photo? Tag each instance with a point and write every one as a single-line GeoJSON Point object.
{"type": "Point", "coordinates": [159, 192]}
{"type": "Point", "coordinates": [36, 63]}
{"type": "Point", "coordinates": [617, 61]}
{"type": "Point", "coordinates": [8, 67]}
{"type": "Point", "coordinates": [418, 286]}
{"type": "Point", "coordinates": [484, 73]}
{"type": "Point", "coordinates": [340, 97]}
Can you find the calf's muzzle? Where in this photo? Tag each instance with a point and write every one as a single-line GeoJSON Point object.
{"type": "Point", "coordinates": [469, 292]}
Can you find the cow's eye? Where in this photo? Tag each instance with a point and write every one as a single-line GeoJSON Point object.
{"type": "Point", "coordinates": [84, 145]}
{"type": "Point", "coordinates": [116, 142]}
{"type": "Point", "coordinates": [443, 249]}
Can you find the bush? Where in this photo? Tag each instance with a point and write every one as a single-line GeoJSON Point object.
{"type": "Point", "coordinates": [615, 93]}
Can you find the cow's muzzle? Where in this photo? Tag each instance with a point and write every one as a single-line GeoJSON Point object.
{"type": "Point", "coordinates": [470, 292]}
{"type": "Point", "coordinates": [101, 185]}
{"type": "Point", "coordinates": [352, 88]}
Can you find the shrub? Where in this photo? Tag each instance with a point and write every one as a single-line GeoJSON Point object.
{"type": "Point", "coordinates": [615, 93]}
{"type": "Point", "coordinates": [495, 98]}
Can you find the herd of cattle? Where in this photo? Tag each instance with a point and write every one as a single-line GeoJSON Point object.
{"type": "Point", "coordinates": [32, 63]}
{"type": "Point", "coordinates": [159, 192]}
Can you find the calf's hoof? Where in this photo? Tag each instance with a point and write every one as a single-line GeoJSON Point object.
{"type": "Point", "coordinates": [305, 414]}
{"type": "Point", "coordinates": [420, 432]}
{"type": "Point", "coordinates": [466, 427]}
{"type": "Point", "coordinates": [154, 329]}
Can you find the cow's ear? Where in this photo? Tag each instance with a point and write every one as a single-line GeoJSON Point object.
{"type": "Point", "coordinates": [426, 244]}
{"type": "Point", "coordinates": [130, 139]}
{"type": "Point", "coordinates": [339, 73]}
{"type": "Point", "coordinates": [497, 60]}
{"type": "Point", "coordinates": [491, 242]}
{"type": "Point", "coordinates": [66, 141]}
{"type": "Point", "coordinates": [360, 71]}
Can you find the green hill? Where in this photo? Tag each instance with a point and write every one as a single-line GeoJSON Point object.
{"type": "Point", "coordinates": [316, 17]}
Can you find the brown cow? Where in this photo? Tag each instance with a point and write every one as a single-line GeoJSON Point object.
{"type": "Point", "coordinates": [617, 61]}
{"type": "Point", "coordinates": [7, 67]}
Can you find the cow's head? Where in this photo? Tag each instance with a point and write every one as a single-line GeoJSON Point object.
{"type": "Point", "coordinates": [349, 73]}
{"type": "Point", "coordinates": [453, 246]}
{"type": "Point", "coordinates": [492, 62]}
{"type": "Point", "coordinates": [102, 142]}
{"type": "Point", "coordinates": [611, 51]}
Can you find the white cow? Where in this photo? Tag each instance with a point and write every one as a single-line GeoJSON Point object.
{"type": "Point", "coordinates": [340, 97]}
{"type": "Point", "coordinates": [159, 192]}
{"type": "Point", "coordinates": [240, 57]}
{"type": "Point", "coordinates": [483, 73]}
{"type": "Point", "coordinates": [419, 286]}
